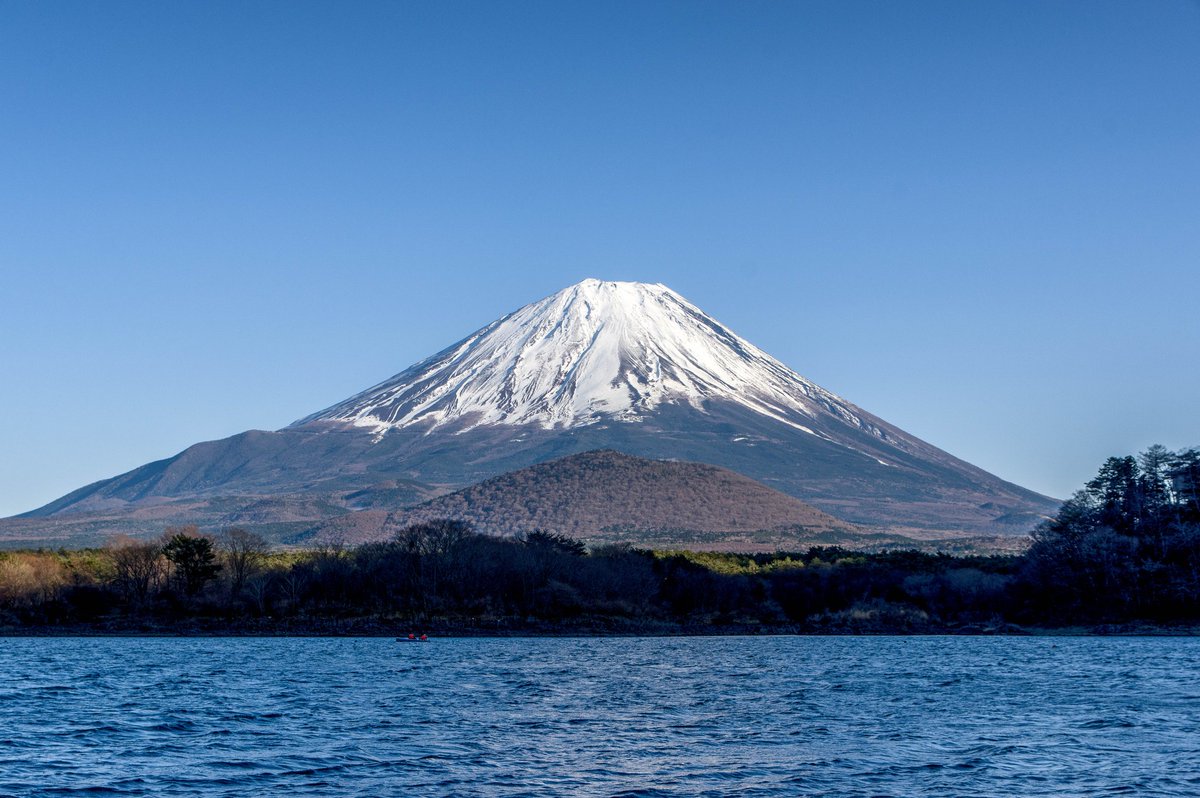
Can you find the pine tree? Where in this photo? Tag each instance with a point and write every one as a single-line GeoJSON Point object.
{"type": "Point", "coordinates": [194, 559]}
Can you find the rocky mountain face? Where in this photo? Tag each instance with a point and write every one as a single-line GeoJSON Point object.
{"type": "Point", "coordinates": [630, 367]}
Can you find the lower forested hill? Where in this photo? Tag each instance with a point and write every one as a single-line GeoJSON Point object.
{"type": "Point", "coordinates": [607, 496]}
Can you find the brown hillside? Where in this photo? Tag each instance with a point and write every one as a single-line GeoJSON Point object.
{"type": "Point", "coordinates": [607, 496]}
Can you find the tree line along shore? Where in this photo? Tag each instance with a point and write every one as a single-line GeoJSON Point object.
{"type": "Point", "coordinates": [1122, 553]}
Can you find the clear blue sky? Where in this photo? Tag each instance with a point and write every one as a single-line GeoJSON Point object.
{"type": "Point", "coordinates": [978, 220]}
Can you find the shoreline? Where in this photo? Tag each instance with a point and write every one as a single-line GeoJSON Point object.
{"type": "Point", "coordinates": [444, 632]}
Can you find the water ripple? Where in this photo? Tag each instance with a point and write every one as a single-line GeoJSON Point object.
{"type": "Point", "coordinates": [846, 717]}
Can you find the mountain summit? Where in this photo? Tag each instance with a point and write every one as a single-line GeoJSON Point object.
{"type": "Point", "coordinates": [593, 351]}
{"type": "Point", "coordinates": [631, 367]}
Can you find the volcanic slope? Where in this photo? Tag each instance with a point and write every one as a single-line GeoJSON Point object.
{"type": "Point", "coordinates": [607, 496]}
{"type": "Point", "coordinates": [632, 367]}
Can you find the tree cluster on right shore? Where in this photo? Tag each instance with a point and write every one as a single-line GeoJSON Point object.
{"type": "Point", "coordinates": [1126, 546]}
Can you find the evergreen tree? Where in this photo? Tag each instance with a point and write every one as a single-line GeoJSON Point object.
{"type": "Point", "coordinates": [1127, 545]}
{"type": "Point", "coordinates": [194, 559]}
{"type": "Point", "coordinates": [1116, 491]}
{"type": "Point", "coordinates": [1184, 474]}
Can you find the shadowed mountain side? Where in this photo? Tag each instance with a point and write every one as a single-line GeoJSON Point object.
{"type": "Point", "coordinates": [597, 496]}
{"type": "Point", "coordinates": [607, 496]}
{"type": "Point", "coordinates": [283, 518]}
{"type": "Point", "coordinates": [927, 491]}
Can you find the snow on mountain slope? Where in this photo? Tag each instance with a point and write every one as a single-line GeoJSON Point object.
{"type": "Point", "coordinates": [630, 367]}
{"type": "Point", "coordinates": [592, 351]}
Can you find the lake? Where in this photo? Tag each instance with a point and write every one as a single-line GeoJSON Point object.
{"type": "Point", "coordinates": [755, 716]}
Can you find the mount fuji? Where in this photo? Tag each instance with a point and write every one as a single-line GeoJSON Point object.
{"type": "Point", "coordinates": [592, 352]}
{"type": "Point", "coordinates": [631, 367]}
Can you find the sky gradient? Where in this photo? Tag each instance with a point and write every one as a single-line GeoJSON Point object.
{"type": "Point", "coordinates": [979, 221]}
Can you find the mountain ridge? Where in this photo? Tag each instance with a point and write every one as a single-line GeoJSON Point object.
{"type": "Point", "coordinates": [625, 366]}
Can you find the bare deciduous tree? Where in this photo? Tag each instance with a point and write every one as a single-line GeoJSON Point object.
{"type": "Point", "coordinates": [244, 554]}
{"type": "Point", "coordinates": [137, 565]}
{"type": "Point", "coordinates": [258, 589]}
{"type": "Point", "coordinates": [294, 583]}
{"type": "Point", "coordinates": [29, 578]}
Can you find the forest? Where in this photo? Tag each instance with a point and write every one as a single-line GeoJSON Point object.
{"type": "Point", "coordinates": [1124, 551]}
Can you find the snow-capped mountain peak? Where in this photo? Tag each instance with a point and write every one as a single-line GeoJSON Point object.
{"type": "Point", "coordinates": [627, 367]}
{"type": "Point", "coordinates": [594, 350]}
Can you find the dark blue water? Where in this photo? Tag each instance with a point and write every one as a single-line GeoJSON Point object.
{"type": "Point", "coordinates": [597, 717]}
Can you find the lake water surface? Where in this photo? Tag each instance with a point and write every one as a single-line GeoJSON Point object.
{"type": "Point", "coordinates": [772, 716]}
